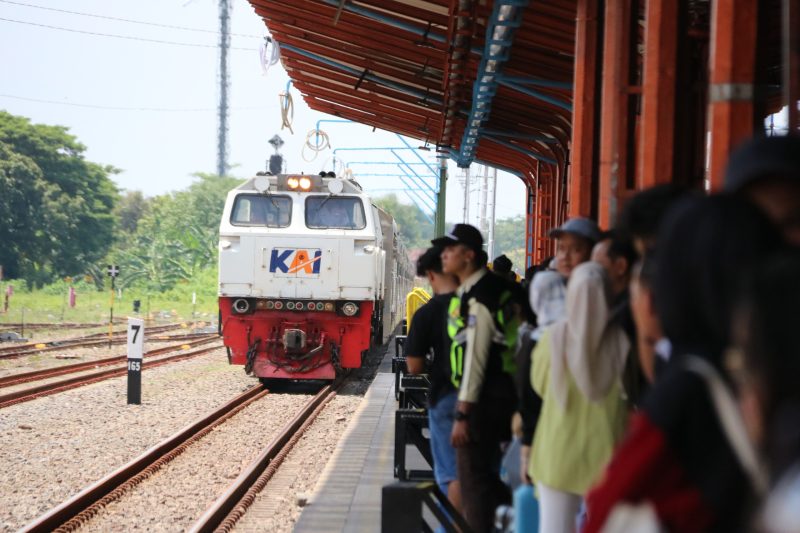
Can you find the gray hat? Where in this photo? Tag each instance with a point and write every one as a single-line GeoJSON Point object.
{"type": "Point", "coordinates": [763, 157]}
{"type": "Point", "coordinates": [582, 227]}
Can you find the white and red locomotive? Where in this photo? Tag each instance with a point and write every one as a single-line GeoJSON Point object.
{"type": "Point", "coordinates": [310, 274]}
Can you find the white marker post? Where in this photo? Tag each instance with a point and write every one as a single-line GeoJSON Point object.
{"type": "Point", "coordinates": [135, 353]}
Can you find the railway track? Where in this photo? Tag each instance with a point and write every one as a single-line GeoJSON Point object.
{"type": "Point", "coordinates": [79, 509]}
{"type": "Point", "coordinates": [13, 326]}
{"type": "Point", "coordinates": [95, 339]}
{"type": "Point", "coordinates": [47, 389]}
{"type": "Point", "coordinates": [233, 504]}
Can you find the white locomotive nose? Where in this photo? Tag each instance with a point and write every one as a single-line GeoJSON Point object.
{"type": "Point", "coordinates": [241, 305]}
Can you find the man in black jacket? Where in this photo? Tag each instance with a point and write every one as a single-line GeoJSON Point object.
{"type": "Point", "coordinates": [427, 334]}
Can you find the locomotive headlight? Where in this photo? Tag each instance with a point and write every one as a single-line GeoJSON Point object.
{"type": "Point", "coordinates": [349, 309]}
{"type": "Point", "coordinates": [305, 183]}
{"type": "Point", "coordinates": [241, 306]}
{"type": "Point", "coordinates": [270, 304]}
{"type": "Point", "coordinates": [293, 183]}
{"type": "Point", "coordinates": [329, 306]}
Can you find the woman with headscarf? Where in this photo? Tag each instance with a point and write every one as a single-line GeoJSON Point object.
{"type": "Point", "coordinates": [679, 465]}
{"type": "Point", "coordinates": [547, 296]}
{"type": "Point", "coordinates": [576, 369]}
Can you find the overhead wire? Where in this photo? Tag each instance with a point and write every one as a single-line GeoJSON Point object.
{"type": "Point", "coordinates": [287, 108]}
{"type": "Point", "coordinates": [321, 143]}
{"type": "Point", "coordinates": [128, 37]}
{"type": "Point", "coordinates": [269, 53]}
{"type": "Point", "coordinates": [121, 108]}
{"type": "Point", "coordinates": [131, 21]}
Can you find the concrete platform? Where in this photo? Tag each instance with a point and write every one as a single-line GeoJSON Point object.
{"type": "Point", "coordinates": [347, 496]}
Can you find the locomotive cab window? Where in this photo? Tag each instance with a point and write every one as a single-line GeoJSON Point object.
{"type": "Point", "coordinates": [262, 210]}
{"type": "Point", "coordinates": [340, 212]}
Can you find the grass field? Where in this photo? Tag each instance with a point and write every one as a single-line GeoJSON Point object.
{"type": "Point", "coordinates": [51, 304]}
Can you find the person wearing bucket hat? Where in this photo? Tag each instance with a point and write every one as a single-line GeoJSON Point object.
{"type": "Point", "coordinates": [480, 328]}
{"type": "Point", "coordinates": [575, 239]}
{"type": "Point", "coordinates": [766, 171]}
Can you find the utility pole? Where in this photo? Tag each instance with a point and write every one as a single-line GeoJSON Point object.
{"type": "Point", "coordinates": [492, 213]}
{"type": "Point", "coordinates": [466, 195]}
{"type": "Point", "coordinates": [484, 200]}
{"type": "Point", "coordinates": [222, 112]}
{"type": "Point", "coordinates": [441, 198]}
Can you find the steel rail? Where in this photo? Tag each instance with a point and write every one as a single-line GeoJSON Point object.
{"type": "Point", "coordinates": [76, 511]}
{"type": "Point", "coordinates": [10, 326]}
{"type": "Point", "coordinates": [232, 505]}
{"type": "Point", "coordinates": [95, 339]}
{"type": "Point", "coordinates": [47, 389]}
{"type": "Point", "coordinates": [36, 375]}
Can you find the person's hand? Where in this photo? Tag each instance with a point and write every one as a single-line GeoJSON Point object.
{"type": "Point", "coordinates": [460, 434]}
{"type": "Point", "coordinates": [524, 457]}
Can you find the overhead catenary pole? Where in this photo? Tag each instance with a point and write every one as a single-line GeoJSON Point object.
{"type": "Point", "coordinates": [466, 195]}
{"type": "Point", "coordinates": [484, 201]}
{"type": "Point", "coordinates": [222, 112]}
{"type": "Point", "coordinates": [492, 211]}
{"type": "Point", "coordinates": [441, 198]}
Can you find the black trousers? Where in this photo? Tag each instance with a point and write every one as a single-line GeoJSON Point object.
{"type": "Point", "coordinates": [478, 465]}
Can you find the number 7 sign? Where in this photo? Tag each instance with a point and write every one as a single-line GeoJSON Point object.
{"type": "Point", "coordinates": [135, 353]}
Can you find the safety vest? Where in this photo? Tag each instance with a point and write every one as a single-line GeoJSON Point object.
{"type": "Point", "coordinates": [455, 329]}
{"type": "Point", "coordinates": [506, 320]}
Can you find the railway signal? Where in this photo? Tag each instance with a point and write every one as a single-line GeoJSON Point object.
{"type": "Point", "coordinates": [113, 272]}
{"type": "Point", "coordinates": [135, 355]}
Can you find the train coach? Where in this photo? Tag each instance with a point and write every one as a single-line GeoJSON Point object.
{"type": "Point", "coordinates": [311, 274]}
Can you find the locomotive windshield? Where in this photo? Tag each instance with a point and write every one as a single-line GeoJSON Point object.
{"type": "Point", "coordinates": [340, 212]}
{"type": "Point", "coordinates": [262, 210]}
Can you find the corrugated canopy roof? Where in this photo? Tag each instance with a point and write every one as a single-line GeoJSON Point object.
{"type": "Point", "coordinates": [410, 67]}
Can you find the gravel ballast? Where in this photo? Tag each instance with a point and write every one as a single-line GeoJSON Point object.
{"type": "Point", "coordinates": [179, 493]}
{"type": "Point", "coordinates": [52, 447]}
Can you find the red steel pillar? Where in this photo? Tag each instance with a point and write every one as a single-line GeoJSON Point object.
{"type": "Point", "coordinates": [791, 61]}
{"type": "Point", "coordinates": [614, 138]}
{"type": "Point", "coordinates": [531, 250]}
{"type": "Point", "coordinates": [585, 92]}
{"type": "Point", "coordinates": [732, 72]}
{"type": "Point", "coordinates": [657, 137]}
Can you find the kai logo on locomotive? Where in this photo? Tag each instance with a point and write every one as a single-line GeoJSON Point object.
{"type": "Point", "coordinates": [295, 262]}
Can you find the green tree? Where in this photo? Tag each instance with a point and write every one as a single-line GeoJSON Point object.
{"type": "Point", "coordinates": [509, 239]}
{"type": "Point", "coordinates": [414, 228]}
{"type": "Point", "coordinates": [176, 236]}
{"type": "Point", "coordinates": [130, 208]}
{"type": "Point", "coordinates": [67, 201]}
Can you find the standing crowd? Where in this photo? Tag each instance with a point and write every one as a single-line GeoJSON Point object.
{"type": "Point", "coordinates": [647, 377]}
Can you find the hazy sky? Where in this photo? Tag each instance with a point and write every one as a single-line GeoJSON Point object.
{"type": "Point", "coordinates": [149, 108]}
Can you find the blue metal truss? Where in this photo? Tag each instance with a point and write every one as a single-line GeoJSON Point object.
{"type": "Point", "coordinates": [506, 18]}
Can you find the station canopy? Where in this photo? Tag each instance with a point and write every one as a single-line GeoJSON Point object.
{"type": "Point", "coordinates": [486, 84]}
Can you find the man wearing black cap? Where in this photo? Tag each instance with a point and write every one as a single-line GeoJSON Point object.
{"type": "Point", "coordinates": [482, 367]}
{"type": "Point", "coordinates": [766, 170]}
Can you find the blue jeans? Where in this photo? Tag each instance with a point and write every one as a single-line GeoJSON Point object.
{"type": "Point", "coordinates": [440, 424]}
